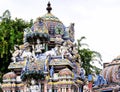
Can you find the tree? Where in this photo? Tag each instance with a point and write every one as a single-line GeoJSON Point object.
{"type": "Point", "coordinates": [88, 57]}
{"type": "Point", "coordinates": [11, 33]}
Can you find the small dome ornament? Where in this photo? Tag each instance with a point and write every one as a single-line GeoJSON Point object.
{"type": "Point", "coordinates": [49, 7]}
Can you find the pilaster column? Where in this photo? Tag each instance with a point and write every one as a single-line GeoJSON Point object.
{"type": "Point", "coordinates": [72, 90]}
{"type": "Point", "coordinates": [59, 89]}
{"type": "Point", "coordinates": [69, 89]}
{"type": "Point", "coordinates": [45, 86]}
{"type": "Point", "coordinates": [46, 47]}
{"type": "Point", "coordinates": [50, 90]}
{"type": "Point", "coordinates": [39, 86]}
{"type": "Point", "coordinates": [13, 90]}
{"type": "Point", "coordinates": [64, 89]}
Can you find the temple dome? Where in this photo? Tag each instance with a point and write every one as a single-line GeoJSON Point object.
{"type": "Point", "coordinates": [50, 17]}
{"type": "Point", "coordinates": [65, 72]}
{"type": "Point", "coordinates": [10, 75]}
{"type": "Point", "coordinates": [52, 24]}
{"type": "Point", "coordinates": [48, 28]}
{"type": "Point", "coordinates": [117, 58]}
{"type": "Point", "coordinates": [111, 72]}
{"type": "Point", "coordinates": [49, 24]}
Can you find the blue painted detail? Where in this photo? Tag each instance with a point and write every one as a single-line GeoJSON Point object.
{"type": "Point", "coordinates": [82, 73]}
{"type": "Point", "coordinates": [100, 81]}
{"type": "Point", "coordinates": [90, 78]}
{"type": "Point", "coordinates": [52, 71]}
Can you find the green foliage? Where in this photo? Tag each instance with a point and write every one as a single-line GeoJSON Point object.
{"type": "Point", "coordinates": [88, 57]}
{"type": "Point", "coordinates": [11, 33]}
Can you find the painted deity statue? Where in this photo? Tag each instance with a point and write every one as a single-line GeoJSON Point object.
{"type": "Point", "coordinates": [64, 50]}
{"type": "Point", "coordinates": [76, 55]}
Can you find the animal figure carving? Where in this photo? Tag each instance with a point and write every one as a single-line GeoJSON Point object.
{"type": "Point", "coordinates": [51, 52]}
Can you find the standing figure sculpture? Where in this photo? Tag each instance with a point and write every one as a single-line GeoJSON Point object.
{"type": "Point", "coordinates": [51, 71]}
{"type": "Point", "coordinates": [46, 64]}
{"type": "Point", "coordinates": [71, 31]}
{"type": "Point", "coordinates": [82, 73]}
{"type": "Point", "coordinates": [38, 48]}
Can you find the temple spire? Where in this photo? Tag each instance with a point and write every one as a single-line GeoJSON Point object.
{"type": "Point", "coordinates": [49, 7]}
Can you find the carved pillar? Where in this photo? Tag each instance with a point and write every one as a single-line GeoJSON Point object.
{"type": "Point", "coordinates": [50, 90]}
{"type": "Point", "coordinates": [45, 86]}
{"type": "Point", "coordinates": [46, 47]}
{"type": "Point", "coordinates": [39, 86]}
{"type": "Point", "coordinates": [69, 89]}
{"type": "Point", "coordinates": [65, 89]}
{"type": "Point", "coordinates": [72, 89]}
{"type": "Point", "coordinates": [13, 90]}
{"type": "Point", "coordinates": [62, 90]}
{"type": "Point", "coordinates": [90, 86]}
{"type": "Point", "coordinates": [59, 89]}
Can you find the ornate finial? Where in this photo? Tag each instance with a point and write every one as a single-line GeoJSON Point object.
{"type": "Point", "coordinates": [49, 7]}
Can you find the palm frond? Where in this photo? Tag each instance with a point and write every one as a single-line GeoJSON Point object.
{"type": "Point", "coordinates": [6, 15]}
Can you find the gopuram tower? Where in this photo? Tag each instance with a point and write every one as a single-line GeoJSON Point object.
{"type": "Point", "coordinates": [48, 61]}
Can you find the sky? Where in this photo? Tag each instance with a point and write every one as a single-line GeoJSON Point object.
{"type": "Point", "coordinates": [97, 20]}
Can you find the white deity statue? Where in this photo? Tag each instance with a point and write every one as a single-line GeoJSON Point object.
{"type": "Point", "coordinates": [63, 49]}
{"type": "Point", "coordinates": [38, 48]}
{"type": "Point", "coordinates": [34, 87]}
